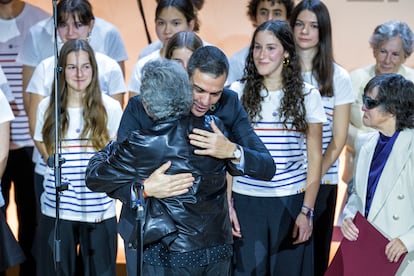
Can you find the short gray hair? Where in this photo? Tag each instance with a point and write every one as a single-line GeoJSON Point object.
{"type": "Point", "coordinates": [165, 89]}
{"type": "Point", "coordinates": [391, 29]}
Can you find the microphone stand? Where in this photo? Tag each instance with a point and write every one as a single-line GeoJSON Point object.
{"type": "Point", "coordinates": [57, 160]}
{"type": "Point", "coordinates": [139, 205]}
{"type": "Point", "coordinates": [141, 10]}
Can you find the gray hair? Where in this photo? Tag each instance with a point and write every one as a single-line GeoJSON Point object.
{"type": "Point", "coordinates": [391, 29]}
{"type": "Point", "coordinates": [165, 89]}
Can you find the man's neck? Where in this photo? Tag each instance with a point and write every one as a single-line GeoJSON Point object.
{"type": "Point", "coordinates": [11, 10]}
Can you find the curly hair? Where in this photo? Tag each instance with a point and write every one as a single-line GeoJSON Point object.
{"type": "Point", "coordinates": [323, 61]}
{"type": "Point", "coordinates": [252, 7]}
{"type": "Point", "coordinates": [292, 104]}
{"type": "Point", "coordinates": [94, 113]}
{"type": "Point", "coordinates": [396, 95]}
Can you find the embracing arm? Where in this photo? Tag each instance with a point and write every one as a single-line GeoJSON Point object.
{"type": "Point", "coordinates": [258, 162]}
{"type": "Point", "coordinates": [110, 173]}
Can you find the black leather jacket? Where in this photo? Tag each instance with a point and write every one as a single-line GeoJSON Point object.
{"type": "Point", "coordinates": [200, 218]}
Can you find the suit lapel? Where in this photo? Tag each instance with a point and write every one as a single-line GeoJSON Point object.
{"type": "Point", "coordinates": [362, 171]}
{"type": "Point", "coordinates": [392, 169]}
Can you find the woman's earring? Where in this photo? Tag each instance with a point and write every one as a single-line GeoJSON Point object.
{"type": "Point", "coordinates": [286, 62]}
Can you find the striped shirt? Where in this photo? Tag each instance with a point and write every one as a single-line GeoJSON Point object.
{"type": "Point", "coordinates": [4, 86]}
{"type": "Point", "coordinates": [77, 203]}
{"type": "Point", "coordinates": [9, 48]}
{"type": "Point", "coordinates": [284, 144]}
{"type": "Point", "coordinates": [343, 94]}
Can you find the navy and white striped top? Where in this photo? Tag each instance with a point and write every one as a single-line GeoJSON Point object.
{"type": "Point", "coordinates": [77, 203]}
{"type": "Point", "coordinates": [343, 94]}
{"type": "Point", "coordinates": [285, 146]}
{"type": "Point", "coordinates": [9, 49]}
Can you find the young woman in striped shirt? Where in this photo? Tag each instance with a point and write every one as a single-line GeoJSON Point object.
{"type": "Point", "coordinates": [89, 120]}
{"type": "Point", "coordinates": [275, 217]}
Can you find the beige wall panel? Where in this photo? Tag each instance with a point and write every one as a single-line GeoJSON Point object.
{"type": "Point", "coordinates": [224, 23]}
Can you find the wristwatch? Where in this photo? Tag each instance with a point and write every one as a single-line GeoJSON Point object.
{"type": "Point", "coordinates": [237, 152]}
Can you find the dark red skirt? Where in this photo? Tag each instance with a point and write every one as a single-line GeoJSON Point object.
{"type": "Point", "coordinates": [10, 252]}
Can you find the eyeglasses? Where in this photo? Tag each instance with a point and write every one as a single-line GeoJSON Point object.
{"type": "Point", "coordinates": [369, 102]}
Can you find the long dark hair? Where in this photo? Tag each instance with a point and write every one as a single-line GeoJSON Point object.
{"type": "Point", "coordinates": [80, 8]}
{"type": "Point", "coordinates": [292, 105]}
{"type": "Point", "coordinates": [186, 7]}
{"type": "Point", "coordinates": [187, 39]}
{"type": "Point", "coordinates": [322, 63]}
{"type": "Point", "coordinates": [94, 113]}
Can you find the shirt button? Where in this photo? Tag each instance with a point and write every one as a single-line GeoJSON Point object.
{"type": "Point", "coordinates": [401, 196]}
{"type": "Point", "coordinates": [395, 217]}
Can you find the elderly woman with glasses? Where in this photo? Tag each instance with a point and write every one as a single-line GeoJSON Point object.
{"type": "Point", "coordinates": [383, 188]}
{"type": "Point", "coordinates": [392, 43]}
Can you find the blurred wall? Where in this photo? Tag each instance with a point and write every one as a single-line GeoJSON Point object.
{"type": "Point", "coordinates": [224, 23]}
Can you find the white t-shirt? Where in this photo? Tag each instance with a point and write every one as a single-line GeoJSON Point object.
{"type": "Point", "coordinates": [39, 43]}
{"type": "Point", "coordinates": [285, 146]}
{"type": "Point", "coordinates": [111, 79]}
{"type": "Point", "coordinates": [343, 94]}
{"type": "Point", "coordinates": [237, 63]}
{"type": "Point", "coordinates": [77, 203]}
{"type": "Point", "coordinates": [154, 46]}
{"type": "Point", "coordinates": [135, 78]}
{"type": "Point", "coordinates": [6, 115]}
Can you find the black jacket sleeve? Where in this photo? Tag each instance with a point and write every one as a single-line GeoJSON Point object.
{"type": "Point", "coordinates": [106, 173]}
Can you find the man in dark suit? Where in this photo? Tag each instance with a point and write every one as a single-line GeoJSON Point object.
{"type": "Point", "coordinates": [208, 69]}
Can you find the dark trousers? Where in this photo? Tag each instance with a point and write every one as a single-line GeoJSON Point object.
{"type": "Point", "coordinates": [20, 171]}
{"type": "Point", "coordinates": [38, 187]}
{"type": "Point", "coordinates": [97, 246]}
{"type": "Point", "coordinates": [323, 226]}
{"type": "Point", "coordinates": [266, 245]}
{"type": "Point", "coordinates": [10, 252]}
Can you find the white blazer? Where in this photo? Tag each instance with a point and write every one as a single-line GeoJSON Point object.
{"type": "Point", "coordinates": [392, 208]}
